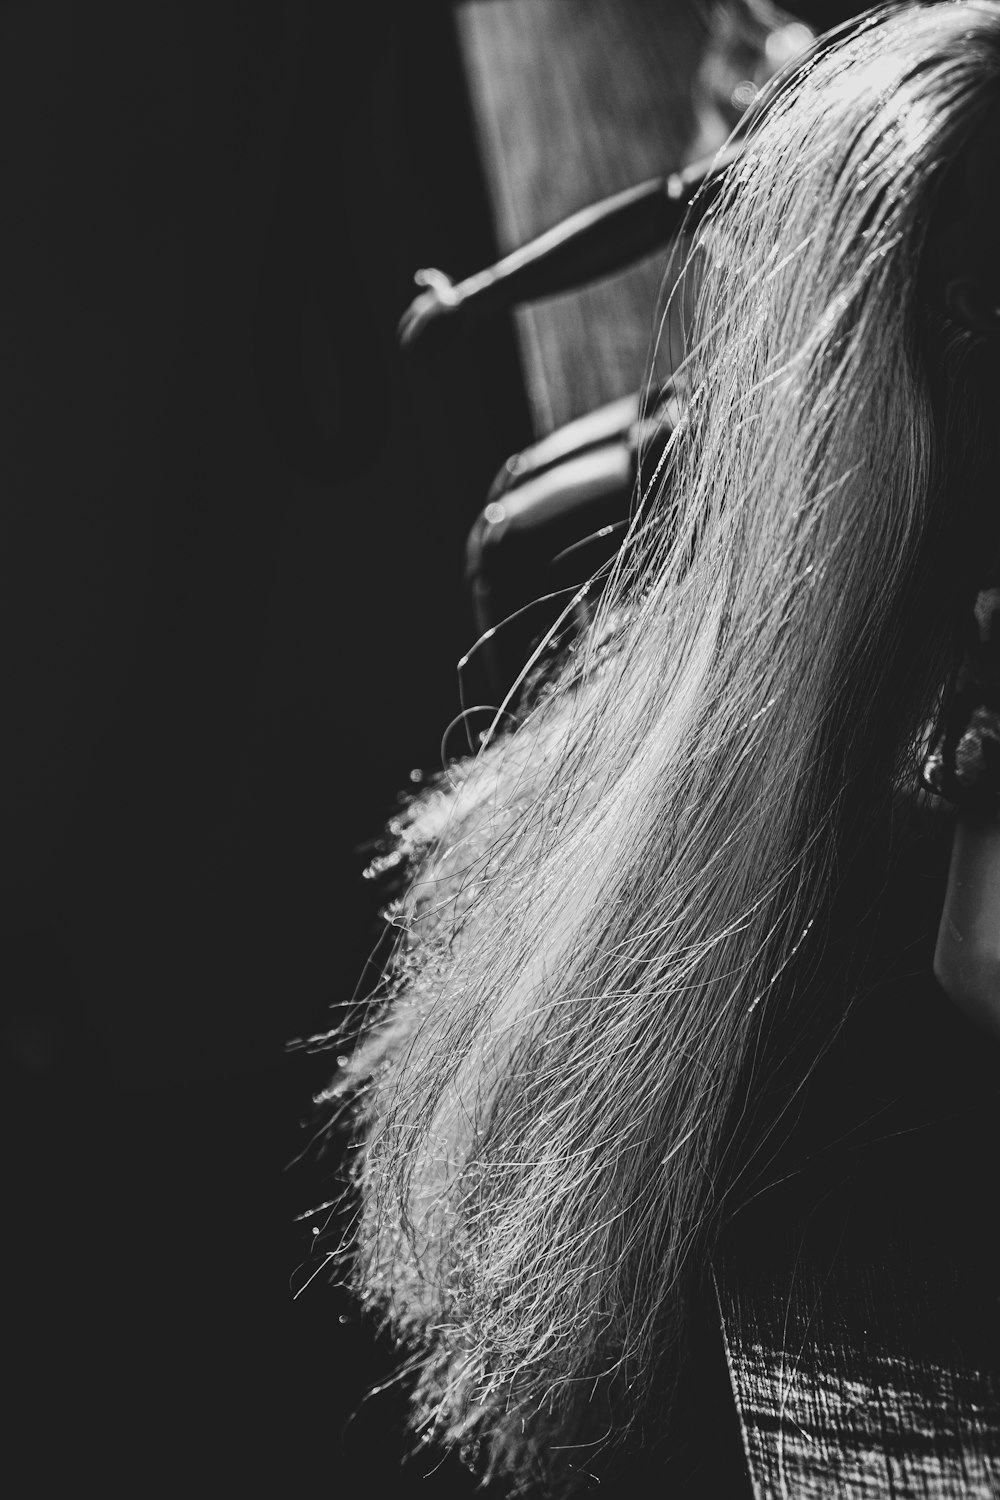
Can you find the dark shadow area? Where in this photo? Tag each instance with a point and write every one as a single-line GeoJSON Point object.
{"type": "Point", "coordinates": [232, 598]}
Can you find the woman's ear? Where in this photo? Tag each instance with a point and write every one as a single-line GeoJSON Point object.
{"type": "Point", "coordinates": [962, 265]}
{"type": "Point", "coordinates": [971, 302]}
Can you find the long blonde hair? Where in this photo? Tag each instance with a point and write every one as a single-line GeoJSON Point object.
{"type": "Point", "coordinates": [631, 912]}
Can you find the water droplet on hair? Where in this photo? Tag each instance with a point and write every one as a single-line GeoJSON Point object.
{"type": "Point", "coordinates": [743, 95]}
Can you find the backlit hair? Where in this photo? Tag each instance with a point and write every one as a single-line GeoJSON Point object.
{"type": "Point", "coordinates": [638, 918]}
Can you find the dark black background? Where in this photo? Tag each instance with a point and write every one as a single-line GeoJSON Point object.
{"type": "Point", "coordinates": [231, 540]}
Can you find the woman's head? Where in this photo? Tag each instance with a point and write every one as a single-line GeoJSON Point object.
{"type": "Point", "coordinates": [631, 913]}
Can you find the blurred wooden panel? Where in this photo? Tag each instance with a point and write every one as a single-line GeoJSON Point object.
{"type": "Point", "coordinates": [574, 100]}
